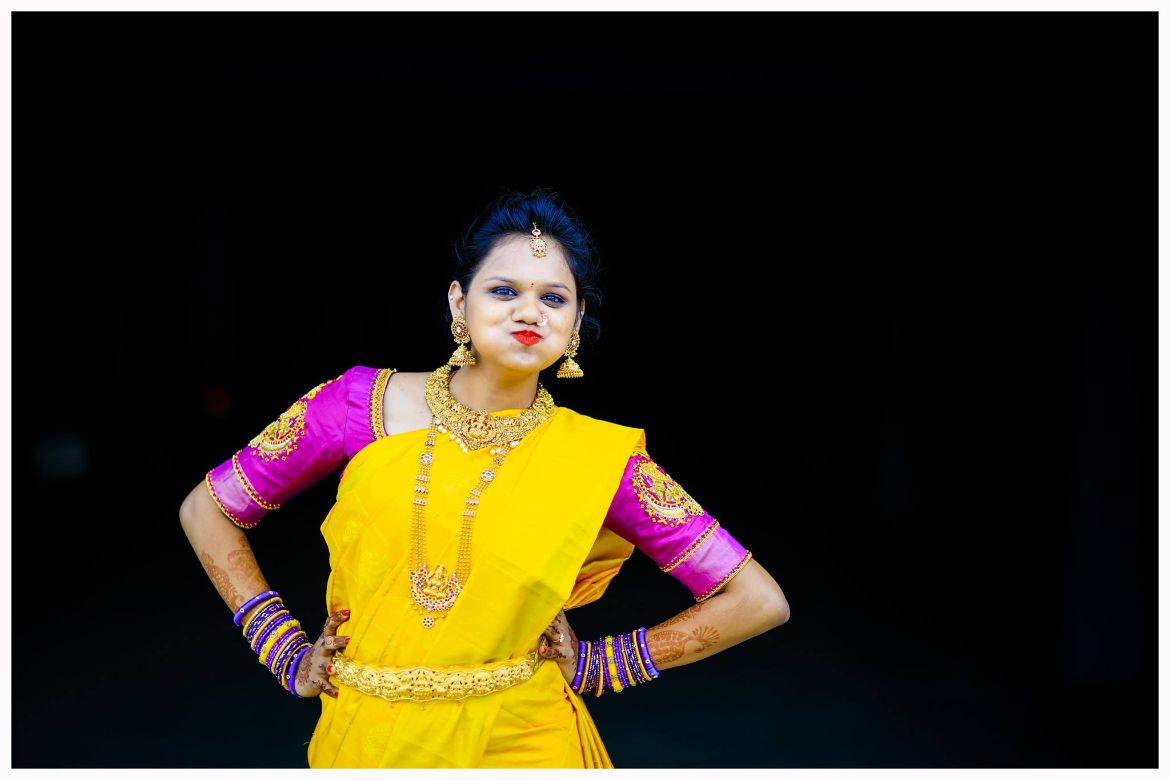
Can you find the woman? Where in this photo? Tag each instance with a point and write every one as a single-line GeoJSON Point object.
{"type": "Point", "coordinates": [449, 570]}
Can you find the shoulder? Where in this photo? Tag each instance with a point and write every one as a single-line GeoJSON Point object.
{"type": "Point", "coordinates": [377, 406]}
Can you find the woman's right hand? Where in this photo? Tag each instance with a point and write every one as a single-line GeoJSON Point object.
{"type": "Point", "coordinates": [313, 675]}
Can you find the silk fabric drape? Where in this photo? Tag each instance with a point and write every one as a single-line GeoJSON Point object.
{"type": "Point", "coordinates": [538, 546]}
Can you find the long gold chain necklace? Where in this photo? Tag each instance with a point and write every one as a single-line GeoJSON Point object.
{"type": "Point", "coordinates": [433, 593]}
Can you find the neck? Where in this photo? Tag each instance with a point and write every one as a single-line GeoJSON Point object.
{"type": "Point", "coordinates": [484, 389]}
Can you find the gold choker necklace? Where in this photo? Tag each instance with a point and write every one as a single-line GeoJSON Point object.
{"type": "Point", "coordinates": [474, 430]}
{"type": "Point", "coordinates": [433, 593]}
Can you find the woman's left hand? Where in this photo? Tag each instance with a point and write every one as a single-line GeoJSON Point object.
{"type": "Point", "coordinates": [559, 643]}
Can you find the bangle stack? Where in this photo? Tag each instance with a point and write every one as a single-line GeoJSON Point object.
{"type": "Point", "coordinates": [613, 663]}
{"type": "Point", "coordinates": [275, 636]}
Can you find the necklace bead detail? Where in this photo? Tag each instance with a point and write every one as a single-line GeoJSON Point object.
{"type": "Point", "coordinates": [433, 592]}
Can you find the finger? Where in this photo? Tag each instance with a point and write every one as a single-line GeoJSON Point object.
{"type": "Point", "coordinates": [563, 655]}
{"type": "Point", "coordinates": [552, 651]}
{"type": "Point", "coordinates": [335, 642]}
{"type": "Point", "coordinates": [325, 687]}
{"type": "Point", "coordinates": [333, 621]}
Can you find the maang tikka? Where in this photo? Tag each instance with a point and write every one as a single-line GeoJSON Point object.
{"type": "Point", "coordinates": [569, 369]}
{"type": "Point", "coordinates": [539, 247]}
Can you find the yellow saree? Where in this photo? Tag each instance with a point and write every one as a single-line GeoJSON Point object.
{"type": "Point", "coordinates": [538, 546]}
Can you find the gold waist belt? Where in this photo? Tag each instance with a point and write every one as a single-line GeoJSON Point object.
{"type": "Point", "coordinates": [423, 683]}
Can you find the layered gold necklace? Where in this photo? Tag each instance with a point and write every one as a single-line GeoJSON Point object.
{"type": "Point", "coordinates": [433, 593]}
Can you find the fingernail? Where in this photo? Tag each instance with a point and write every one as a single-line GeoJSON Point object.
{"type": "Point", "coordinates": [345, 611]}
{"type": "Point", "coordinates": [347, 640]}
{"type": "Point", "coordinates": [329, 668]}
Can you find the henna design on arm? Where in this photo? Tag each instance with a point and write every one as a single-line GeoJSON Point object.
{"type": "Point", "coordinates": [666, 645]}
{"type": "Point", "coordinates": [242, 563]}
{"type": "Point", "coordinates": [686, 614]}
{"type": "Point", "coordinates": [706, 636]}
{"type": "Point", "coordinates": [222, 582]}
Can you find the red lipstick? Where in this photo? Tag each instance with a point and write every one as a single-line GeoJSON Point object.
{"type": "Point", "coordinates": [526, 337]}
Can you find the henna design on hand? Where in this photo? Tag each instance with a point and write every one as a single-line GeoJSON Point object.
{"type": "Point", "coordinates": [222, 581]}
{"type": "Point", "coordinates": [305, 669]}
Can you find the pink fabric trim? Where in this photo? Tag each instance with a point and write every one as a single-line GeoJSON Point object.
{"type": "Point", "coordinates": [333, 427]}
{"type": "Point", "coordinates": [704, 566]}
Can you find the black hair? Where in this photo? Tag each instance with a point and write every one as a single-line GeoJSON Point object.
{"type": "Point", "coordinates": [512, 213]}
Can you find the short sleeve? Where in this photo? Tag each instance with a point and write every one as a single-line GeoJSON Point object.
{"type": "Point", "coordinates": [300, 447]}
{"type": "Point", "coordinates": [661, 519]}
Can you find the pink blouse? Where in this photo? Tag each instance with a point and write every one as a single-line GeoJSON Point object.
{"type": "Point", "coordinates": [328, 425]}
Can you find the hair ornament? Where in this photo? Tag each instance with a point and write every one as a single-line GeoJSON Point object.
{"type": "Point", "coordinates": [539, 247]}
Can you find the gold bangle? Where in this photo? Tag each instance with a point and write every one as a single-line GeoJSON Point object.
{"type": "Point", "coordinates": [269, 643]}
{"type": "Point", "coordinates": [283, 677]}
{"type": "Point", "coordinates": [268, 620]}
{"type": "Point", "coordinates": [256, 610]}
{"type": "Point", "coordinates": [600, 664]}
{"type": "Point", "coordinates": [631, 678]}
{"type": "Point", "coordinates": [270, 655]}
{"type": "Point", "coordinates": [614, 681]}
{"type": "Point", "coordinates": [288, 657]}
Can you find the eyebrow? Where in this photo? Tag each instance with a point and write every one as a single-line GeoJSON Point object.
{"type": "Point", "coordinates": [509, 281]}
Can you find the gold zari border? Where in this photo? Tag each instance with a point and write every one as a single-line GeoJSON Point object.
{"type": "Point", "coordinates": [691, 548]}
{"type": "Point", "coordinates": [377, 393]}
{"type": "Point", "coordinates": [215, 497]}
{"type": "Point", "coordinates": [247, 483]}
{"type": "Point", "coordinates": [747, 556]}
{"type": "Point", "coordinates": [424, 683]}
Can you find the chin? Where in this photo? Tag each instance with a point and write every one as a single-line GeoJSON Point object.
{"type": "Point", "coordinates": [524, 362]}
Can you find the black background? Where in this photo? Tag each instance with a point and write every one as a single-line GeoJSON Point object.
{"type": "Point", "coordinates": [880, 287]}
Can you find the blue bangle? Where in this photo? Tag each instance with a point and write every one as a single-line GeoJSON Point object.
{"type": "Point", "coordinates": [291, 683]}
{"type": "Point", "coordinates": [641, 634]}
{"type": "Point", "coordinates": [239, 616]}
{"type": "Point", "coordinates": [576, 684]}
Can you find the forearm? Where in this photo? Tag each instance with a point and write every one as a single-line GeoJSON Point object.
{"type": "Point", "coordinates": [222, 548]}
{"type": "Point", "coordinates": [753, 606]}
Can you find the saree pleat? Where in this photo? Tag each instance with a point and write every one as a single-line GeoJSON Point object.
{"type": "Point", "coordinates": [538, 546]}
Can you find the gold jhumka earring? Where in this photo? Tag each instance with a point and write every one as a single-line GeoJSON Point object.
{"type": "Point", "coordinates": [461, 356]}
{"type": "Point", "coordinates": [569, 369]}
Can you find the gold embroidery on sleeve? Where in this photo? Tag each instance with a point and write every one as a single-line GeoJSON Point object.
{"type": "Point", "coordinates": [377, 424]}
{"type": "Point", "coordinates": [664, 500]}
{"type": "Point", "coordinates": [280, 437]}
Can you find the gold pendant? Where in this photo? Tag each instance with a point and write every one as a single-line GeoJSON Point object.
{"type": "Point", "coordinates": [433, 593]}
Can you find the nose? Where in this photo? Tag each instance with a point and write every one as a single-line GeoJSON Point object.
{"type": "Point", "coordinates": [526, 311]}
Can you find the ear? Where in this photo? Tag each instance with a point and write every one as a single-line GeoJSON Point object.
{"type": "Point", "coordinates": [457, 300]}
{"type": "Point", "coordinates": [580, 317]}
